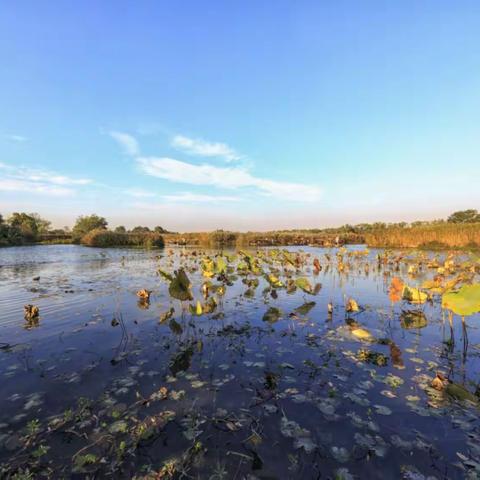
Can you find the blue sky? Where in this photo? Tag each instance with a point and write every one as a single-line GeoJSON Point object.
{"type": "Point", "coordinates": [246, 115]}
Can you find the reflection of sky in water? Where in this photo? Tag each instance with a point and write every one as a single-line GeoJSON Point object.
{"type": "Point", "coordinates": [304, 367]}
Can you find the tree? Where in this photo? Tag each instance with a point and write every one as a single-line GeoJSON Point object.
{"type": "Point", "coordinates": [26, 224]}
{"type": "Point", "coordinates": [120, 229]}
{"type": "Point", "coordinates": [140, 230]}
{"type": "Point", "coordinates": [9, 235]}
{"type": "Point", "coordinates": [159, 229]}
{"type": "Point", "coordinates": [464, 216]}
{"type": "Point", "coordinates": [87, 223]}
{"type": "Point", "coordinates": [43, 226]}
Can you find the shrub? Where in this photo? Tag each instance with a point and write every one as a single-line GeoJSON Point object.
{"type": "Point", "coordinates": [220, 238]}
{"type": "Point", "coordinates": [86, 224]}
{"type": "Point", "coordinates": [106, 238]}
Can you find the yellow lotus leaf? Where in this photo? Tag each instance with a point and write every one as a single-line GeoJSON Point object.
{"type": "Point", "coordinates": [352, 306]}
{"type": "Point", "coordinates": [412, 270]}
{"type": "Point", "coordinates": [362, 334]}
{"type": "Point", "coordinates": [274, 281]}
{"type": "Point", "coordinates": [434, 286]}
{"type": "Point", "coordinates": [414, 295]}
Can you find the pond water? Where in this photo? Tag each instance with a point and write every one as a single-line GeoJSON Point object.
{"type": "Point", "coordinates": [103, 384]}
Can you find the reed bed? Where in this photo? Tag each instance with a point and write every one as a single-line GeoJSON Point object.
{"type": "Point", "coordinates": [448, 235]}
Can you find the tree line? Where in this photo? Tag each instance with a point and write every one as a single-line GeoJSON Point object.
{"type": "Point", "coordinates": [23, 228]}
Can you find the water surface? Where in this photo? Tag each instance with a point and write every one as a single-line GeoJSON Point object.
{"type": "Point", "coordinates": [98, 387]}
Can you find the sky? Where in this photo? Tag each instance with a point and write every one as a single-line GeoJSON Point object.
{"type": "Point", "coordinates": [252, 115]}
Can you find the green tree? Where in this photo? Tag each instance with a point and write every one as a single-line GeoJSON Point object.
{"type": "Point", "coordinates": [9, 235]}
{"type": "Point", "coordinates": [87, 223]}
{"type": "Point", "coordinates": [464, 216]}
{"type": "Point", "coordinates": [140, 229]}
{"type": "Point", "coordinates": [159, 229]}
{"type": "Point", "coordinates": [120, 229]}
{"type": "Point", "coordinates": [26, 224]}
{"type": "Point", "coordinates": [43, 225]}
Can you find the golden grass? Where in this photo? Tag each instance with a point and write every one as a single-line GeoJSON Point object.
{"type": "Point", "coordinates": [449, 235]}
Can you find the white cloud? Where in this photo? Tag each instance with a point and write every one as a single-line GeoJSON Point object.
{"type": "Point", "coordinates": [189, 197]}
{"type": "Point", "coordinates": [127, 142]}
{"type": "Point", "coordinates": [38, 176]}
{"type": "Point", "coordinates": [225, 177]}
{"type": "Point", "coordinates": [25, 179]}
{"type": "Point", "coordinates": [15, 185]}
{"type": "Point", "coordinates": [204, 149]}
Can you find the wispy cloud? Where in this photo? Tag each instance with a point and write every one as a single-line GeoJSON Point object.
{"type": "Point", "coordinates": [189, 197]}
{"type": "Point", "coordinates": [225, 177]}
{"type": "Point", "coordinates": [25, 179]}
{"type": "Point", "coordinates": [15, 185]}
{"type": "Point", "coordinates": [202, 148]}
{"type": "Point", "coordinates": [127, 142]}
{"type": "Point", "coordinates": [16, 138]}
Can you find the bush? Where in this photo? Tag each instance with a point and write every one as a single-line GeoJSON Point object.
{"type": "Point", "coordinates": [86, 224]}
{"type": "Point", "coordinates": [106, 238]}
{"type": "Point", "coordinates": [220, 238]}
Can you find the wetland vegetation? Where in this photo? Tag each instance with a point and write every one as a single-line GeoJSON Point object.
{"type": "Point", "coordinates": [239, 363]}
{"type": "Point", "coordinates": [460, 230]}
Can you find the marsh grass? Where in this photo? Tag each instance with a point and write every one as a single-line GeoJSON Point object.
{"type": "Point", "coordinates": [447, 235]}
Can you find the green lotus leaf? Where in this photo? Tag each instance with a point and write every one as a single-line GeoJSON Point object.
{"type": "Point", "coordinates": [180, 286]}
{"type": "Point", "coordinates": [272, 315]}
{"type": "Point", "coordinates": [465, 301]}
{"type": "Point", "coordinates": [304, 309]}
{"type": "Point", "coordinates": [303, 284]}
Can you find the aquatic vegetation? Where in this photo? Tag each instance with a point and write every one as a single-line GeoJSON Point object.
{"type": "Point", "coordinates": [143, 293]}
{"type": "Point", "coordinates": [100, 237]}
{"type": "Point", "coordinates": [251, 363]}
{"type": "Point", "coordinates": [464, 301]}
{"type": "Point", "coordinates": [413, 319]}
{"type": "Point", "coordinates": [180, 286]}
{"type": "Point", "coordinates": [31, 312]}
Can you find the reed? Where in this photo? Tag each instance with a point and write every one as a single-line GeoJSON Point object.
{"type": "Point", "coordinates": [447, 235]}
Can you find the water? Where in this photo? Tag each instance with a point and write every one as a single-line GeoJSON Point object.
{"type": "Point", "coordinates": [236, 396]}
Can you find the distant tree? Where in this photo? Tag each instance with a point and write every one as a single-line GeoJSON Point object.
{"type": "Point", "coordinates": [87, 223]}
{"type": "Point", "coordinates": [43, 225]}
{"type": "Point", "coordinates": [464, 216]}
{"type": "Point", "coordinates": [9, 235]}
{"type": "Point", "coordinates": [120, 229]}
{"type": "Point", "coordinates": [140, 229]}
{"type": "Point", "coordinates": [347, 228]}
{"type": "Point", "coordinates": [363, 227]}
{"type": "Point", "coordinates": [26, 224]}
{"type": "Point", "coordinates": [159, 229]}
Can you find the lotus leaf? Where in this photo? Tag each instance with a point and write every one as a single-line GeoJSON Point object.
{"type": "Point", "coordinates": [465, 301]}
